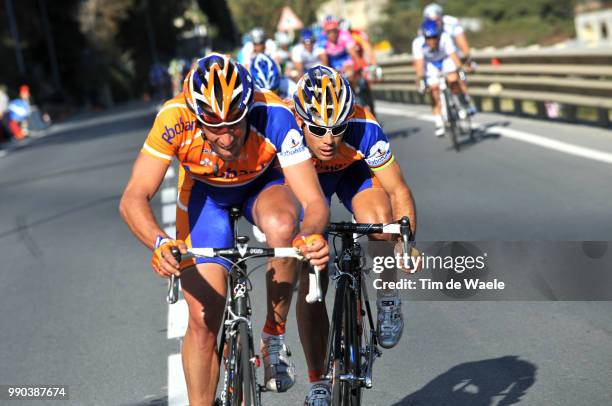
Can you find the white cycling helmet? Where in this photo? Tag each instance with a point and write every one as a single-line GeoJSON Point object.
{"type": "Point", "coordinates": [258, 36]}
{"type": "Point", "coordinates": [433, 11]}
{"type": "Point", "coordinates": [282, 38]}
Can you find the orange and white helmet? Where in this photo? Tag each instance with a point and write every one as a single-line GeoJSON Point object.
{"type": "Point", "coordinates": [218, 90]}
{"type": "Point", "coordinates": [323, 97]}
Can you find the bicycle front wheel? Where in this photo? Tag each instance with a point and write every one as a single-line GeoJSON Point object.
{"type": "Point", "coordinates": [240, 387]}
{"type": "Point", "coordinates": [346, 386]}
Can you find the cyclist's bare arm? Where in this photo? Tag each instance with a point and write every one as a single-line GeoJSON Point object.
{"type": "Point", "coordinates": [147, 175]}
{"type": "Point", "coordinates": [368, 51]}
{"type": "Point", "coordinates": [456, 60]}
{"type": "Point", "coordinates": [353, 53]}
{"type": "Point", "coordinates": [304, 183]}
{"type": "Point", "coordinates": [419, 67]}
{"type": "Point", "coordinates": [324, 59]}
{"type": "Point", "coordinates": [299, 67]}
{"type": "Point", "coordinates": [393, 183]}
{"type": "Point", "coordinates": [462, 43]}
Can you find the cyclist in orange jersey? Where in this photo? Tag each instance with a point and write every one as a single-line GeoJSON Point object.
{"type": "Point", "coordinates": [236, 146]}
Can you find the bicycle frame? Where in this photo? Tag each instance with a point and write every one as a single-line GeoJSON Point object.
{"type": "Point", "coordinates": [349, 269]}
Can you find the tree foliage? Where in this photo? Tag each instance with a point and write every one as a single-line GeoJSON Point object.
{"type": "Point", "coordinates": [265, 13]}
{"type": "Point", "coordinates": [505, 22]}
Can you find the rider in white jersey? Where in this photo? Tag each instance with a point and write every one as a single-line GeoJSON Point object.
{"type": "Point", "coordinates": [435, 54]}
{"type": "Point", "coordinates": [452, 27]}
{"type": "Point", "coordinates": [258, 44]}
{"type": "Point", "coordinates": [305, 55]}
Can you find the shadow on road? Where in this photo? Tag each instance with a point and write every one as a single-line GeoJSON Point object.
{"type": "Point", "coordinates": [499, 381]}
{"type": "Point", "coordinates": [162, 401]}
{"type": "Point", "coordinates": [402, 133]}
{"type": "Point", "coordinates": [483, 132]}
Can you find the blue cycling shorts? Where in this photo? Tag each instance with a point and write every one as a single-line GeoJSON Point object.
{"type": "Point", "coordinates": [202, 213]}
{"type": "Point", "coordinates": [347, 183]}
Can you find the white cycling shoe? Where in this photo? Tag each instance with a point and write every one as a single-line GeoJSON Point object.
{"type": "Point", "coordinates": [440, 130]}
{"type": "Point", "coordinates": [319, 395]}
{"type": "Point", "coordinates": [390, 324]}
{"type": "Point", "coordinates": [279, 372]}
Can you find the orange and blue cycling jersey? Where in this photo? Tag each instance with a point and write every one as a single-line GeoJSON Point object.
{"type": "Point", "coordinates": [209, 186]}
{"type": "Point", "coordinates": [272, 134]}
{"type": "Point", "coordinates": [364, 150]}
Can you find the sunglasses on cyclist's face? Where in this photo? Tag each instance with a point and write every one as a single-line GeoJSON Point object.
{"type": "Point", "coordinates": [322, 131]}
{"type": "Point", "coordinates": [233, 128]}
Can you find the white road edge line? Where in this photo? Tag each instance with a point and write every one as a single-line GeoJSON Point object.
{"type": "Point", "coordinates": [177, 388]}
{"type": "Point", "coordinates": [169, 213]}
{"type": "Point", "coordinates": [529, 138]}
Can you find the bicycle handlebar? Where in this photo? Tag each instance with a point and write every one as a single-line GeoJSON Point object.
{"type": "Point", "coordinates": [315, 293]}
{"type": "Point", "coordinates": [402, 227]}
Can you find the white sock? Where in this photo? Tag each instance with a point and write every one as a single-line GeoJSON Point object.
{"type": "Point", "coordinates": [322, 382]}
{"type": "Point", "coordinates": [265, 335]}
{"type": "Point", "coordinates": [439, 121]}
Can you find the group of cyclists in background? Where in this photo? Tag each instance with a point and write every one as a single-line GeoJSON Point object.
{"type": "Point", "coordinates": [278, 133]}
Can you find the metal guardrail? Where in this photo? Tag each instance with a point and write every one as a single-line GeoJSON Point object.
{"type": "Point", "coordinates": [522, 82]}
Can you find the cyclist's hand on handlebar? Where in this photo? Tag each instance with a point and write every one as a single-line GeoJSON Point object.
{"type": "Point", "coordinates": [415, 258]}
{"type": "Point", "coordinates": [163, 262]}
{"type": "Point", "coordinates": [421, 85]}
{"type": "Point", "coordinates": [313, 247]}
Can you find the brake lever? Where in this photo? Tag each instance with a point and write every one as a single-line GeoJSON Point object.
{"type": "Point", "coordinates": [173, 284]}
{"type": "Point", "coordinates": [315, 293]}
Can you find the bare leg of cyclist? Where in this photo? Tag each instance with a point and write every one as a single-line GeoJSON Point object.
{"type": "Point", "coordinates": [276, 214]}
{"type": "Point", "coordinates": [374, 206]}
{"type": "Point", "coordinates": [437, 110]}
{"type": "Point", "coordinates": [313, 326]}
{"type": "Point", "coordinates": [204, 291]}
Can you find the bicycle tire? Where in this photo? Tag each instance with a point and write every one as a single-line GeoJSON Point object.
{"type": "Point", "coordinates": [247, 369]}
{"type": "Point", "coordinates": [452, 122]}
{"type": "Point", "coordinates": [347, 349]}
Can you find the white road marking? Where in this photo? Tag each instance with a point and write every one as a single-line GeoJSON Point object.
{"type": "Point", "coordinates": [177, 388]}
{"type": "Point", "coordinates": [169, 213]}
{"type": "Point", "coordinates": [168, 195]}
{"type": "Point", "coordinates": [171, 231]}
{"type": "Point", "coordinates": [177, 319]}
{"type": "Point", "coordinates": [169, 173]}
{"type": "Point", "coordinates": [544, 142]}
{"type": "Point", "coordinates": [560, 146]}
{"type": "Point", "coordinates": [178, 313]}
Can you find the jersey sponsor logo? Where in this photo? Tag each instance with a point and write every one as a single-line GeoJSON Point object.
{"type": "Point", "coordinates": [230, 173]}
{"type": "Point", "coordinates": [293, 143]}
{"type": "Point", "coordinates": [177, 129]}
{"type": "Point", "coordinates": [379, 154]}
{"type": "Point", "coordinates": [332, 166]}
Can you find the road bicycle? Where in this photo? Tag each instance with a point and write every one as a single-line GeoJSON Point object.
{"type": "Point", "coordinates": [352, 346]}
{"type": "Point", "coordinates": [236, 348]}
{"type": "Point", "coordinates": [456, 118]}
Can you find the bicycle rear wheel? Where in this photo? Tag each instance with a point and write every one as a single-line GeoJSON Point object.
{"type": "Point", "coordinates": [346, 388]}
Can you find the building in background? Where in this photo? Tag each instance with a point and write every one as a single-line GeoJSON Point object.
{"type": "Point", "coordinates": [593, 20]}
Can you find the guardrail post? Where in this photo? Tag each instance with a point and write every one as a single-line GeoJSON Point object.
{"type": "Point", "coordinates": [603, 117]}
{"type": "Point", "coordinates": [413, 98]}
{"type": "Point", "coordinates": [478, 102]}
{"type": "Point", "coordinates": [570, 112]}
{"type": "Point", "coordinates": [541, 109]}
{"type": "Point", "coordinates": [518, 107]}
{"type": "Point", "coordinates": [496, 104]}
{"type": "Point", "coordinates": [406, 96]}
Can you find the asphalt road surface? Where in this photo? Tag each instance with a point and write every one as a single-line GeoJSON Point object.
{"type": "Point", "coordinates": [81, 307]}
